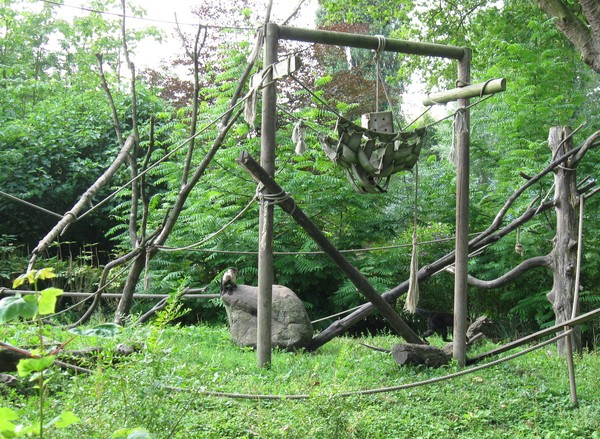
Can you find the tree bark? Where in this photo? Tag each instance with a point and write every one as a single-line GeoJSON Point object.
{"type": "Point", "coordinates": [563, 257]}
{"type": "Point", "coordinates": [585, 38]}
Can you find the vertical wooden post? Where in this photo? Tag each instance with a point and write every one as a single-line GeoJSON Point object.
{"type": "Point", "coordinates": [564, 254]}
{"type": "Point", "coordinates": [462, 215]}
{"type": "Point", "coordinates": [265, 227]}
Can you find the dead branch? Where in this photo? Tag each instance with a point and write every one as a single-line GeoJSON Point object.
{"type": "Point", "coordinates": [111, 102]}
{"type": "Point", "coordinates": [102, 285]}
{"type": "Point", "coordinates": [591, 142]}
{"type": "Point", "coordinates": [538, 261]}
{"type": "Point", "coordinates": [502, 212]}
{"type": "Point", "coordinates": [133, 166]}
{"type": "Point", "coordinates": [194, 55]}
{"type": "Point", "coordinates": [84, 200]}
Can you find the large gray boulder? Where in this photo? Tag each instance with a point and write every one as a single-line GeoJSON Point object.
{"type": "Point", "coordinates": [290, 328]}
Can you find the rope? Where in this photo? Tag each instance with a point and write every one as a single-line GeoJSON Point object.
{"type": "Point", "coordinates": [168, 155]}
{"type": "Point", "coordinates": [320, 252]}
{"type": "Point", "coordinates": [412, 296]}
{"type": "Point", "coordinates": [417, 118]}
{"type": "Point", "coordinates": [92, 295]}
{"type": "Point", "coordinates": [211, 236]}
{"type": "Point", "coordinates": [27, 203]}
{"type": "Point", "coordinates": [377, 390]}
{"type": "Point", "coordinates": [154, 20]}
{"type": "Point", "coordinates": [325, 104]}
{"type": "Point", "coordinates": [337, 314]}
{"type": "Point", "coordinates": [459, 109]}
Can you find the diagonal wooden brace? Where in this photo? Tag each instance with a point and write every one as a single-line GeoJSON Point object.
{"type": "Point", "coordinates": [360, 282]}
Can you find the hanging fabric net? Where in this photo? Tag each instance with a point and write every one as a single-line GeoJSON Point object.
{"type": "Point", "coordinates": [370, 157]}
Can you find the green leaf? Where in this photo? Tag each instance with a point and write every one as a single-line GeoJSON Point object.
{"type": "Point", "coordinates": [27, 366]}
{"type": "Point", "coordinates": [63, 420]}
{"type": "Point", "coordinates": [131, 433]}
{"type": "Point", "coordinates": [139, 434]}
{"type": "Point", "coordinates": [7, 415]}
{"type": "Point", "coordinates": [29, 277]}
{"type": "Point", "coordinates": [47, 303]}
{"type": "Point", "coordinates": [14, 307]}
{"type": "Point", "coordinates": [45, 273]}
{"type": "Point", "coordinates": [105, 330]}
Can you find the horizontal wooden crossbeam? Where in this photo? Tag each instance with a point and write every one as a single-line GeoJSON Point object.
{"type": "Point", "coordinates": [469, 91]}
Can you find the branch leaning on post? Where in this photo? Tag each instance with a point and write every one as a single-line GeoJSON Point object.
{"type": "Point", "coordinates": [288, 204]}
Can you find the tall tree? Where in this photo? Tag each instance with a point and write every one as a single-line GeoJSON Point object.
{"type": "Point", "coordinates": [580, 22]}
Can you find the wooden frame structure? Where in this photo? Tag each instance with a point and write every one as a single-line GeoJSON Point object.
{"type": "Point", "coordinates": [274, 33]}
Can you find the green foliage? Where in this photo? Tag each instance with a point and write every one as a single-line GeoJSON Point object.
{"type": "Point", "coordinates": [12, 308]}
{"type": "Point", "coordinates": [103, 330]}
{"type": "Point", "coordinates": [526, 397]}
{"type": "Point", "coordinates": [30, 306]}
{"type": "Point", "coordinates": [57, 135]}
{"type": "Point", "coordinates": [131, 433]}
{"type": "Point", "coordinates": [10, 430]}
{"type": "Point", "coordinates": [33, 306]}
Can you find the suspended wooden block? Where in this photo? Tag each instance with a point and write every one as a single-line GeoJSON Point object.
{"type": "Point", "coordinates": [382, 122]}
{"type": "Point", "coordinates": [370, 157]}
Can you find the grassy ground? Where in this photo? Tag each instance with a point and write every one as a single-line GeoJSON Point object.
{"type": "Point", "coordinates": [526, 397]}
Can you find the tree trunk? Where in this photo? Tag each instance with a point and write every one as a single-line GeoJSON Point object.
{"type": "Point", "coordinates": [564, 252]}
{"type": "Point", "coordinates": [127, 298]}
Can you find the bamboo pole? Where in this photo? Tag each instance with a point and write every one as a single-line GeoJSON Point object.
{"type": "Point", "coordinates": [265, 227]}
{"type": "Point", "coordinates": [462, 217]}
{"type": "Point", "coordinates": [288, 204]}
{"type": "Point", "coordinates": [469, 91]}
{"type": "Point", "coordinates": [370, 42]}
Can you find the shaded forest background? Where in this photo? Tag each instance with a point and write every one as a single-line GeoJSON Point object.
{"type": "Point", "coordinates": [57, 136]}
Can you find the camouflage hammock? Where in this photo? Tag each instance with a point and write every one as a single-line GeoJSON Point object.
{"type": "Point", "coordinates": [370, 157]}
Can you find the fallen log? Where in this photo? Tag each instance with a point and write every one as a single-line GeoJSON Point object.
{"type": "Point", "coordinates": [431, 356]}
{"type": "Point", "coordinates": [415, 354]}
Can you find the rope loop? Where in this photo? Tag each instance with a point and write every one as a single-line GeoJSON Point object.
{"type": "Point", "coordinates": [72, 214]}
{"type": "Point", "coordinates": [484, 86]}
{"type": "Point", "coordinates": [272, 199]}
{"type": "Point", "coordinates": [380, 43]}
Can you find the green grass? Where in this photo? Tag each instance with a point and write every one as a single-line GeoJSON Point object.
{"type": "Point", "coordinates": [526, 397]}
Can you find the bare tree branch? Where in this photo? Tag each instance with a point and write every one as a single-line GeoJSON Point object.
{"type": "Point", "coordinates": [591, 142]}
{"type": "Point", "coordinates": [194, 55]}
{"type": "Point", "coordinates": [503, 211]}
{"type": "Point", "coordinates": [103, 284]}
{"type": "Point", "coordinates": [111, 102]}
{"type": "Point", "coordinates": [538, 261]}
{"type": "Point", "coordinates": [84, 201]}
{"type": "Point", "coordinates": [135, 184]}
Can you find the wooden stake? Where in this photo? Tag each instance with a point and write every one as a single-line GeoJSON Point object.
{"type": "Point", "coordinates": [462, 218]}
